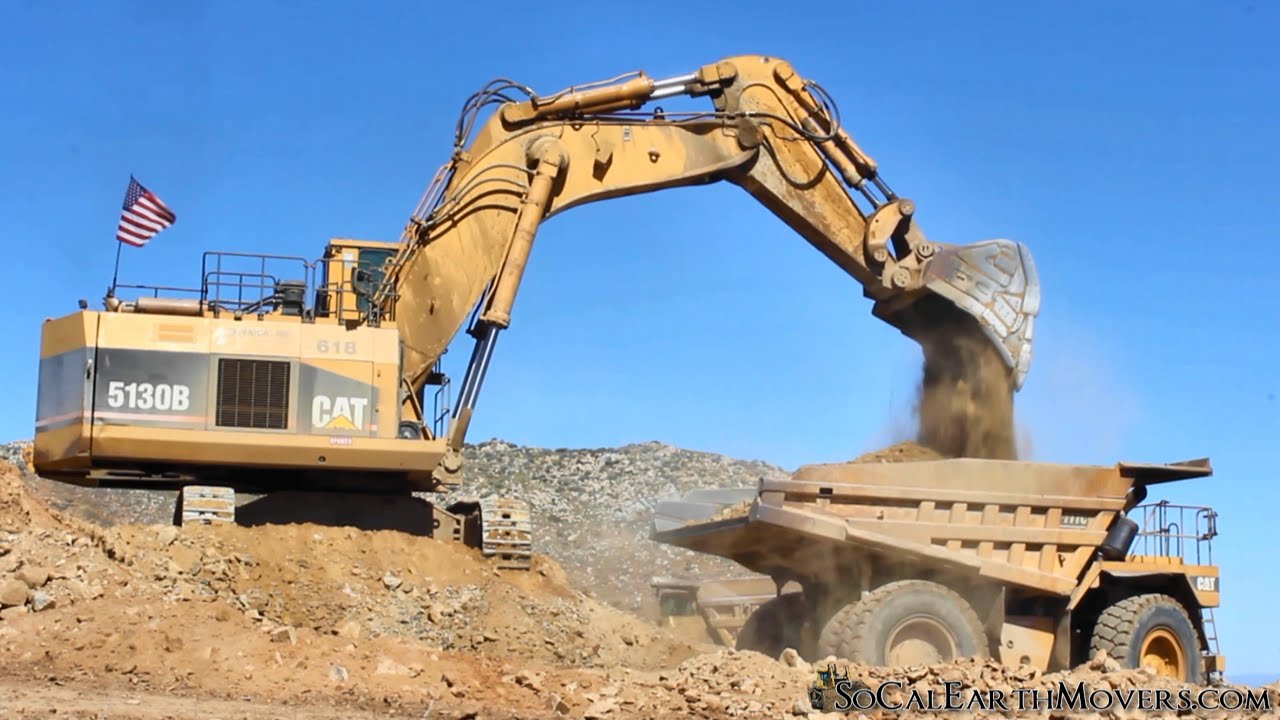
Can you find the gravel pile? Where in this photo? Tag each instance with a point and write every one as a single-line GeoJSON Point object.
{"type": "Point", "coordinates": [16, 455]}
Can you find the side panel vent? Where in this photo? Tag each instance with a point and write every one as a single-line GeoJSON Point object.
{"type": "Point", "coordinates": [253, 393]}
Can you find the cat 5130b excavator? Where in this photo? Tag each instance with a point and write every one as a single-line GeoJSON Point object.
{"type": "Point", "coordinates": [283, 374]}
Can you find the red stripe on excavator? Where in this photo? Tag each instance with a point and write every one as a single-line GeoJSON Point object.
{"type": "Point", "coordinates": [59, 418]}
{"type": "Point", "coordinates": [149, 416]}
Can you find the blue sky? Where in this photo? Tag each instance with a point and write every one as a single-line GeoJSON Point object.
{"type": "Point", "coordinates": [1131, 146]}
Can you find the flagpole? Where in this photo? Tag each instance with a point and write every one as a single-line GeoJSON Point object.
{"type": "Point", "coordinates": [116, 275]}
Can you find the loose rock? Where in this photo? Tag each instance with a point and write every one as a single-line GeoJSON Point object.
{"type": "Point", "coordinates": [12, 593]}
{"type": "Point", "coordinates": [34, 577]}
{"type": "Point", "coordinates": [41, 600]}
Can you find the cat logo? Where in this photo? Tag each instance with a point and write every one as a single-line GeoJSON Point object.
{"type": "Point", "coordinates": [338, 413]}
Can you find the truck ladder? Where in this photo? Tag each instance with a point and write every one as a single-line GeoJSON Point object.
{"type": "Point", "coordinates": [1210, 630]}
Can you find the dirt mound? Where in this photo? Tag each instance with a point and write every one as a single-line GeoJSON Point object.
{"type": "Point", "coordinates": [292, 611]}
{"type": "Point", "coordinates": [362, 584]}
{"type": "Point", "coordinates": [22, 509]}
{"type": "Point", "coordinates": [965, 403]}
{"type": "Point", "coordinates": [902, 452]}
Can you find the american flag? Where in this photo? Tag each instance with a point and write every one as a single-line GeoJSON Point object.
{"type": "Point", "coordinates": [144, 215]}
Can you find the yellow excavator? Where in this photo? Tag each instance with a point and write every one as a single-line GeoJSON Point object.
{"type": "Point", "coordinates": [281, 373]}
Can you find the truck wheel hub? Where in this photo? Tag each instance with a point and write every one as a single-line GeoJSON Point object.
{"type": "Point", "coordinates": [920, 640]}
{"type": "Point", "coordinates": [1163, 653]}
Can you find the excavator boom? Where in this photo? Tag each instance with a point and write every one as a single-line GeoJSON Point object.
{"type": "Point", "coordinates": [769, 131]}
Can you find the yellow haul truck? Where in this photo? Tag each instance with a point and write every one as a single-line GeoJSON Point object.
{"type": "Point", "coordinates": [924, 562]}
{"type": "Point", "coordinates": [278, 374]}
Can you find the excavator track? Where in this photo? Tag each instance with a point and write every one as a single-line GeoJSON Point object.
{"type": "Point", "coordinates": [205, 504]}
{"type": "Point", "coordinates": [500, 527]}
{"type": "Point", "coordinates": [506, 532]}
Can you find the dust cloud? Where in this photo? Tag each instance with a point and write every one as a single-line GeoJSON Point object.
{"type": "Point", "coordinates": [964, 406]}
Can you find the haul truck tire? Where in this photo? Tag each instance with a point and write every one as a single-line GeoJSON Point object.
{"type": "Point", "coordinates": [774, 626]}
{"type": "Point", "coordinates": [1152, 630]}
{"type": "Point", "coordinates": [909, 622]}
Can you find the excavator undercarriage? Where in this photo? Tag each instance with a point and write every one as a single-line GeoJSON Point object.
{"type": "Point", "coordinates": [499, 527]}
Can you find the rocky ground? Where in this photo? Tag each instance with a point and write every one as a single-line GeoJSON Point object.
{"type": "Point", "coordinates": [592, 508]}
{"type": "Point", "coordinates": [129, 620]}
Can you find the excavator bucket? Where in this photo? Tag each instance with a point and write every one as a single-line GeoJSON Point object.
{"type": "Point", "coordinates": [995, 281]}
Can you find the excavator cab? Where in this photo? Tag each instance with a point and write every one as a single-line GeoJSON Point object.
{"type": "Point", "coordinates": [349, 272]}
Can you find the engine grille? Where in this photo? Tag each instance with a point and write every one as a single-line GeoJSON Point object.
{"type": "Point", "coordinates": [253, 393]}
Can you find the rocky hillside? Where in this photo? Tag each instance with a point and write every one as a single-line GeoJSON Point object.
{"type": "Point", "coordinates": [592, 508]}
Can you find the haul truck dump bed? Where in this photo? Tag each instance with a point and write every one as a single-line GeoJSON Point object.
{"type": "Point", "coordinates": [904, 563]}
